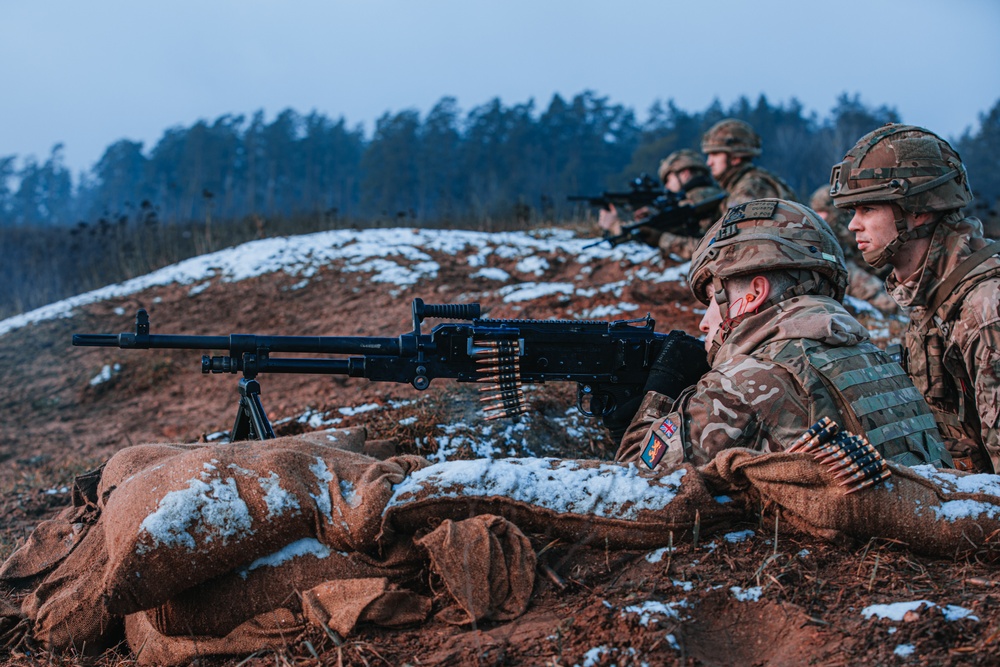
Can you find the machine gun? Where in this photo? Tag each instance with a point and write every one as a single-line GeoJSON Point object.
{"type": "Point", "coordinates": [644, 191]}
{"type": "Point", "coordinates": [609, 361]}
{"type": "Point", "coordinates": [670, 216]}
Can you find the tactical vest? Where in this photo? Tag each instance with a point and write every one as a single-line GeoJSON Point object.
{"type": "Point", "coordinates": [935, 364]}
{"type": "Point", "coordinates": [869, 394]}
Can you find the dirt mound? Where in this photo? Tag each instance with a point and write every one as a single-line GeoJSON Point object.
{"type": "Point", "coordinates": [749, 594]}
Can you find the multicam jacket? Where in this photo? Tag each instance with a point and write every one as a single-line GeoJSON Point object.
{"type": "Point", "coordinates": [777, 374]}
{"type": "Point", "coordinates": [954, 357]}
{"type": "Point", "coordinates": [747, 182]}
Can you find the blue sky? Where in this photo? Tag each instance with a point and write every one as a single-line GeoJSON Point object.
{"type": "Point", "coordinates": [90, 73]}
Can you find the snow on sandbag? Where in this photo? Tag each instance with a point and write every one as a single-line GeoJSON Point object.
{"type": "Point", "coordinates": [216, 607]}
{"type": "Point", "coordinates": [201, 513]}
{"type": "Point", "coordinates": [944, 513]}
{"type": "Point", "coordinates": [577, 500]}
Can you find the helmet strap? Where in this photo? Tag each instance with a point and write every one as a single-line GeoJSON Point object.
{"type": "Point", "coordinates": [903, 235]}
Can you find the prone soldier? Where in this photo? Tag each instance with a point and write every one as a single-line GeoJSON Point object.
{"type": "Point", "coordinates": [863, 281]}
{"type": "Point", "coordinates": [783, 353]}
{"type": "Point", "coordinates": [906, 187]}
{"type": "Point", "coordinates": [683, 172]}
{"type": "Point", "coordinates": [730, 147]}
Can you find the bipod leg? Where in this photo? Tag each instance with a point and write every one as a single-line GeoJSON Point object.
{"type": "Point", "coordinates": [251, 420]}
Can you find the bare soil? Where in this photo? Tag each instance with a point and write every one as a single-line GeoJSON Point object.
{"type": "Point", "coordinates": [54, 424]}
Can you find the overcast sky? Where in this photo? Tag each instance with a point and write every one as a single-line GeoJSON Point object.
{"type": "Point", "coordinates": [89, 73]}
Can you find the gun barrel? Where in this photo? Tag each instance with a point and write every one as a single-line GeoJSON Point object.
{"type": "Point", "coordinates": [95, 340]}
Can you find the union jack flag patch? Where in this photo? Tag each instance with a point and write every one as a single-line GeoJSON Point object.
{"type": "Point", "coordinates": [668, 428]}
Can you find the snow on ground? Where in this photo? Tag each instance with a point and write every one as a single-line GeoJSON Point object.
{"type": "Point", "coordinates": [397, 257]}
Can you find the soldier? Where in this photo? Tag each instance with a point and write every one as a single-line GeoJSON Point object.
{"type": "Point", "coordinates": [863, 282]}
{"type": "Point", "coordinates": [783, 352]}
{"type": "Point", "coordinates": [907, 187]}
{"type": "Point", "coordinates": [730, 146]}
{"type": "Point", "coordinates": [683, 172]}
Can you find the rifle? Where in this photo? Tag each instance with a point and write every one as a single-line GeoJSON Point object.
{"type": "Point", "coordinates": [609, 361]}
{"type": "Point", "coordinates": [644, 191]}
{"type": "Point", "coordinates": [670, 216]}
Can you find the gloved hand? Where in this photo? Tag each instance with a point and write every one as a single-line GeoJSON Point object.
{"type": "Point", "coordinates": [618, 421]}
{"type": "Point", "coordinates": [680, 364]}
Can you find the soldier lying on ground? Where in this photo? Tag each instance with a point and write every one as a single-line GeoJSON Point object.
{"type": "Point", "coordinates": [783, 352]}
{"type": "Point", "coordinates": [683, 172]}
{"type": "Point", "coordinates": [906, 187]}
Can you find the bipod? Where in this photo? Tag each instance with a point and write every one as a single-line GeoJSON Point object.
{"type": "Point", "coordinates": [251, 420]}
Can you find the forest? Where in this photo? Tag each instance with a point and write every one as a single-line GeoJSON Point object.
{"type": "Point", "coordinates": [220, 182]}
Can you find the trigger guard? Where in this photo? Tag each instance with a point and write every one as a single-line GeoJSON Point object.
{"type": "Point", "coordinates": [604, 401]}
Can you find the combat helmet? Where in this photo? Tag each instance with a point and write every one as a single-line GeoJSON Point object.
{"type": "Point", "coordinates": [732, 136]}
{"type": "Point", "coordinates": [680, 160]}
{"type": "Point", "coordinates": [907, 167]}
{"type": "Point", "coordinates": [768, 235]}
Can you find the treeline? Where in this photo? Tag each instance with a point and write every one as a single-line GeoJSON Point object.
{"type": "Point", "coordinates": [495, 161]}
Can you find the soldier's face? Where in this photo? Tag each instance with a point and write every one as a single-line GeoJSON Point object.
{"type": "Point", "coordinates": [717, 163]}
{"type": "Point", "coordinates": [874, 227]}
{"type": "Point", "coordinates": [711, 320]}
{"type": "Point", "coordinates": [673, 183]}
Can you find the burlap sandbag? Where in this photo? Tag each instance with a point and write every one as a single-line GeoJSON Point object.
{"type": "Point", "coordinates": [337, 605]}
{"type": "Point", "coordinates": [343, 603]}
{"type": "Point", "coordinates": [942, 513]}
{"type": "Point", "coordinates": [216, 607]}
{"type": "Point", "coordinates": [274, 629]}
{"type": "Point", "coordinates": [619, 505]}
{"type": "Point", "coordinates": [68, 609]}
{"type": "Point", "coordinates": [204, 512]}
{"type": "Point", "coordinates": [130, 461]}
{"type": "Point", "coordinates": [53, 540]}
{"type": "Point", "coordinates": [487, 566]}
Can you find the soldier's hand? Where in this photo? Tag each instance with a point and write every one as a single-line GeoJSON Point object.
{"type": "Point", "coordinates": [609, 221]}
{"type": "Point", "coordinates": [680, 364]}
{"type": "Point", "coordinates": [619, 420]}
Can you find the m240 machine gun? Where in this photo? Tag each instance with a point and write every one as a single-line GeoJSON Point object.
{"type": "Point", "coordinates": [609, 361]}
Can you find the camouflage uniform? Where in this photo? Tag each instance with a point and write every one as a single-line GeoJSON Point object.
{"type": "Point", "coordinates": [700, 188]}
{"type": "Point", "coordinates": [746, 181]}
{"type": "Point", "coordinates": [863, 281]}
{"type": "Point", "coordinates": [956, 360]}
{"type": "Point", "coordinates": [776, 372]}
{"type": "Point", "coordinates": [952, 353]}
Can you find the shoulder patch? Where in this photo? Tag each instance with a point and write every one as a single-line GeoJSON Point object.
{"type": "Point", "coordinates": [653, 451]}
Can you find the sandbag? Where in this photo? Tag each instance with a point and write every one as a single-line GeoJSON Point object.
{"type": "Point", "coordinates": [618, 505]}
{"type": "Point", "coordinates": [943, 513]}
{"type": "Point", "coordinates": [201, 513]}
{"type": "Point", "coordinates": [487, 565]}
{"type": "Point", "coordinates": [216, 607]}
{"type": "Point", "coordinates": [68, 608]}
{"type": "Point", "coordinates": [341, 604]}
{"type": "Point", "coordinates": [273, 630]}
{"type": "Point", "coordinates": [54, 539]}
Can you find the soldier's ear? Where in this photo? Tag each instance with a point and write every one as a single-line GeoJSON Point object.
{"type": "Point", "coordinates": [760, 289]}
